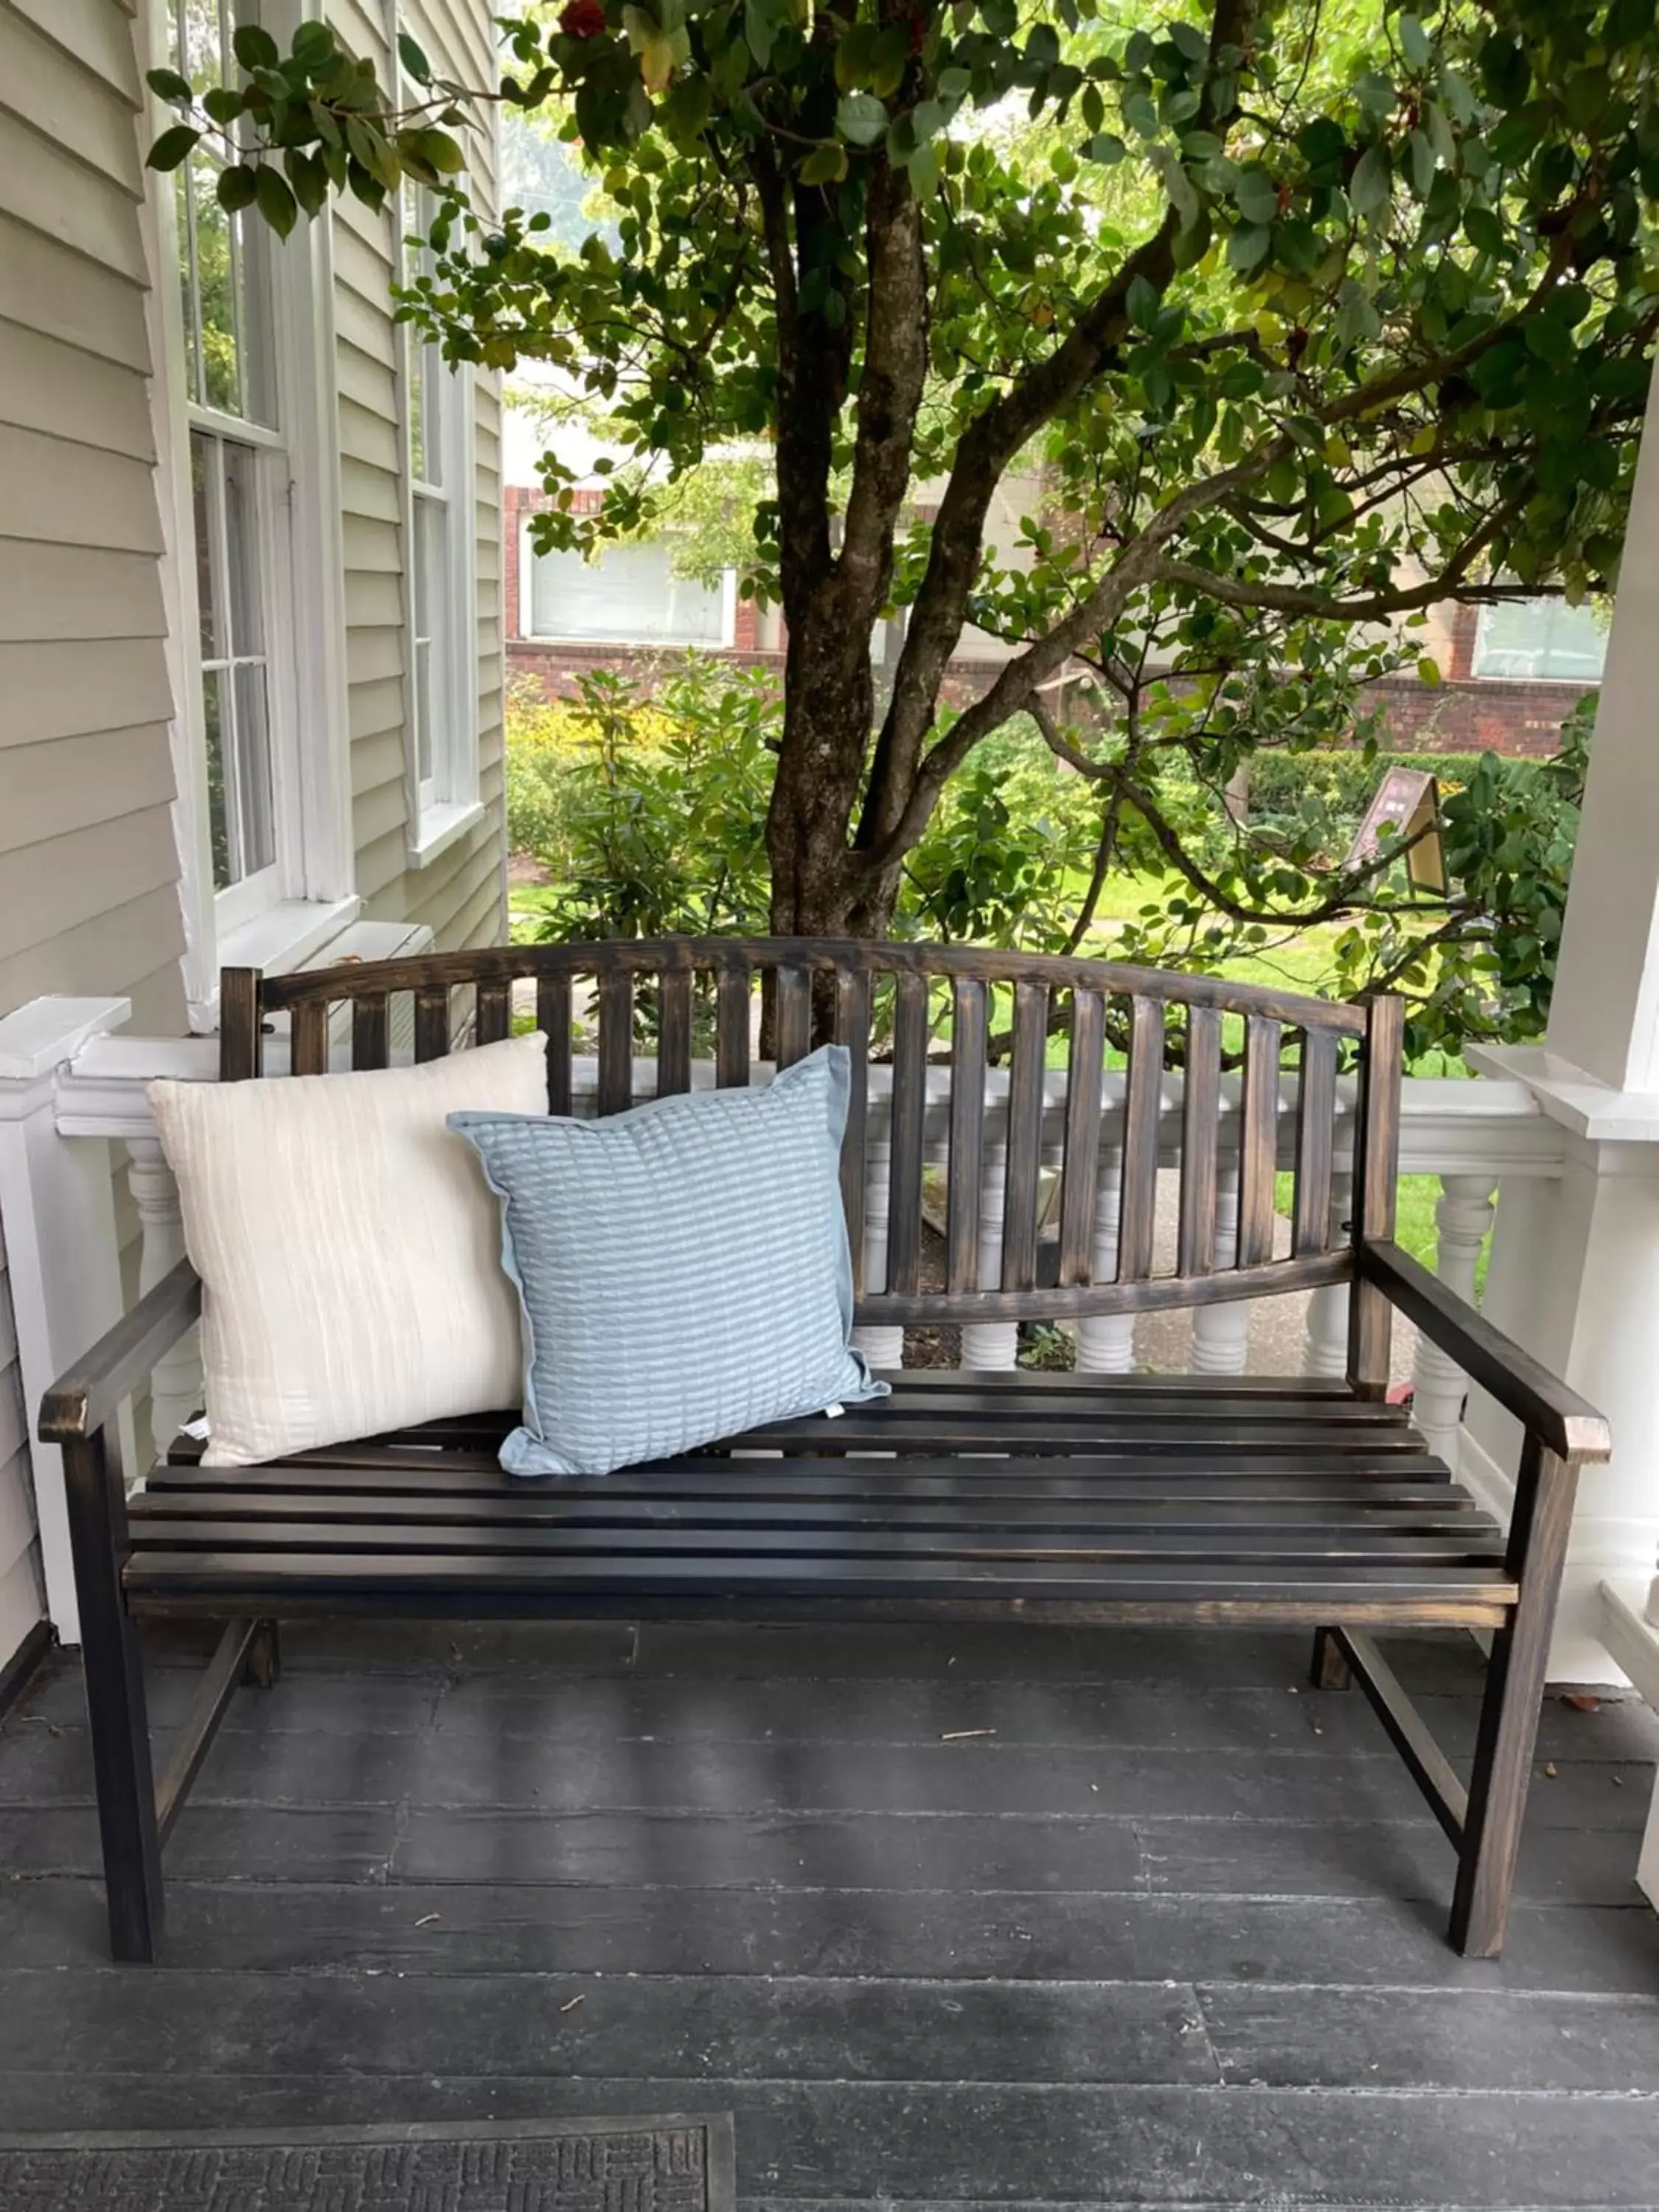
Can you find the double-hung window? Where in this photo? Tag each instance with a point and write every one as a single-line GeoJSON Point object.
{"type": "Point", "coordinates": [442, 658]}
{"type": "Point", "coordinates": [238, 475]}
{"type": "Point", "coordinates": [249, 427]}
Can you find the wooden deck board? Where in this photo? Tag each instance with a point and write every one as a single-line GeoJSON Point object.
{"type": "Point", "coordinates": [947, 1917]}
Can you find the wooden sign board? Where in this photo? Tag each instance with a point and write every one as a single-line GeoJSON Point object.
{"type": "Point", "coordinates": [1407, 802]}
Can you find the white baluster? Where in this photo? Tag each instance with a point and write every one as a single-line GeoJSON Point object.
{"type": "Point", "coordinates": [175, 1384]}
{"type": "Point", "coordinates": [1328, 1308]}
{"type": "Point", "coordinates": [991, 1344]}
{"type": "Point", "coordinates": [1463, 1214]}
{"type": "Point", "coordinates": [882, 1346]}
{"type": "Point", "coordinates": [1221, 1334]}
{"type": "Point", "coordinates": [1106, 1342]}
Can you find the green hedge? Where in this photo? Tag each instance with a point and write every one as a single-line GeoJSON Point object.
{"type": "Point", "coordinates": [1346, 781]}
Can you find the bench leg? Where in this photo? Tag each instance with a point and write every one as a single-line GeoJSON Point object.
{"type": "Point", "coordinates": [1509, 1710]}
{"type": "Point", "coordinates": [1329, 1670]}
{"type": "Point", "coordinates": [117, 1715]}
{"type": "Point", "coordinates": [264, 1658]}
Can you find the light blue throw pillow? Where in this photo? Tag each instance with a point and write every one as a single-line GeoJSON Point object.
{"type": "Point", "coordinates": [682, 1268]}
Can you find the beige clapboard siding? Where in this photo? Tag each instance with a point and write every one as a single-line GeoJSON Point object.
{"type": "Point", "coordinates": [452, 893]}
{"type": "Point", "coordinates": [58, 592]}
{"type": "Point", "coordinates": [50, 688]}
{"type": "Point", "coordinates": [20, 1602]}
{"type": "Point", "coordinates": [70, 298]}
{"type": "Point", "coordinates": [52, 790]}
{"type": "Point", "coordinates": [68, 393]}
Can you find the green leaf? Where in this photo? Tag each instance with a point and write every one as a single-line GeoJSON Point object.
{"type": "Point", "coordinates": [1106, 147]}
{"type": "Point", "coordinates": [824, 165]}
{"type": "Point", "coordinates": [860, 119]}
{"type": "Point", "coordinates": [168, 84]}
{"type": "Point", "coordinates": [413, 60]}
{"type": "Point", "coordinates": [1372, 183]}
{"type": "Point", "coordinates": [758, 30]}
{"type": "Point", "coordinates": [236, 187]}
{"type": "Point", "coordinates": [172, 146]}
{"type": "Point", "coordinates": [1428, 671]}
{"type": "Point", "coordinates": [1246, 248]}
{"type": "Point", "coordinates": [1418, 47]}
{"type": "Point", "coordinates": [855, 56]}
{"type": "Point", "coordinates": [1256, 197]}
{"type": "Point", "coordinates": [1485, 231]}
{"type": "Point", "coordinates": [313, 44]}
{"type": "Point", "coordinates": [255, 48]}
{"type": "Point", "coordinates": [308, 178]}
{"type": "Point", "coordinates": [224, 103]}
{"type": "Point", "coordinates": [443, 153]}
{"type": "Point", "coordinates": [1140, 303]}
{"type": "Point", "coordinates": [276, 202]}
{"type": "Point", "coordinates": [1505, 70]}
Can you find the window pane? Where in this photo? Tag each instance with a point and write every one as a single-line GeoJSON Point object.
{"type": "Point", "coordinates": [1540, 638]}
{"type": "Point", "coordinates": [255, 800]}
{"type": "Point", "coordinates": [242, 548]}
{"type": "Point", "coordinates": [215, 306]}
{"type": "Point", "coordinates": [218, 796]}
{"type": "Point", "coordinates": [424, 707]}
{"type": "Point", "coordinates": [183, 216]}
{"type": "Point", "coordinates": [255, 341]}
{"type": "Point", "coordinates": [430, 517]}
{"type": "Point", "coordinates": [203, 465]}
{"type": "Point", "coordinates": [628, 596]}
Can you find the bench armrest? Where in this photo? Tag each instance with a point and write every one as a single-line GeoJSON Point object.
{"type": "Point", "coordinates": [79, 1403]}
{"type": "Point", "coordinates": [1565, 1423]}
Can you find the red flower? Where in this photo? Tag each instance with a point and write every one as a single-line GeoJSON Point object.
{"type": "Point", "coordinates": [583, 19]}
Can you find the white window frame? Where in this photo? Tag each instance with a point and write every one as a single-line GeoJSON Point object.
{"type": "Point", "coordinates": [281, 916]}
{"type": "Point", "coordinates": [445, 804]}
{"type": "Point", "coordinates": [527, 630]}
{"type": "Point", "coordinates": [1482, 675]}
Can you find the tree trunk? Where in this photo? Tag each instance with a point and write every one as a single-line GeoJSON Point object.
{"type": "Point", "coordinates": [821, 887]}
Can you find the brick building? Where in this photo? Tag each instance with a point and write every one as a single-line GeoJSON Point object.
{"type": "Point", "coordinates": [1509, 675]}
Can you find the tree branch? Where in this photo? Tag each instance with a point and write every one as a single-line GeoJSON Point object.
{"type": "Point", "coordinates": [983, 454]}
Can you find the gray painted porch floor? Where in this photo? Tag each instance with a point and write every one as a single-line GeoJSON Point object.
{"type": "Point", "coordinates": [945, 1917]}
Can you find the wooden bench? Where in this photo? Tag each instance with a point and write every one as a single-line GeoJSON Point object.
{"type": "Point", "coordinates": [1064, 1498]}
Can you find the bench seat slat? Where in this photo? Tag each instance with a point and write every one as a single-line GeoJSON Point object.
{"type": "Point", "coordinates": [229, 1574]}
{"type": "Point", "coordinates": [1023, 1517]}
{"type": "Point", "coordinates": [1255, 1475]}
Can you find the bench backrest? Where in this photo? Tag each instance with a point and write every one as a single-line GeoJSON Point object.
{"type": "Point", "coordinates": [994, 1114]}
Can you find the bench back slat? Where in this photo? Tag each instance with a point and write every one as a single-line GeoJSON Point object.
{"type": "Point", "coordinates": [994, 1021]}
{"type": "Point", "coordinates": [1138, 1197]}
{"type": "Point", "coordinates": [1023, 1173]}
{"type": "Point", "coordinates": [1079, 1174]}
{"type": "Point", "coordinates": [1200, 1137]}
{"type": "Point", "coordinates": [1258, 1139]}
{"type": "Point", "coordinates": [1316, 1141]}
{"type": "Point", "coordinates": [966, 1159]}
{"type": "Point", "coordinates": [853, 1030]}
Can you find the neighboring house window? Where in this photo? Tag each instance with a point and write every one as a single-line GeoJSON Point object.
{"type": "Point", "coordinates": [443, 706]}
{"type": "Point", "coordinates": [245, 418]}
{"type": "Point", "coordinates": [1545, 639]}
{"type": "Point", "coordinates": [629, 595]}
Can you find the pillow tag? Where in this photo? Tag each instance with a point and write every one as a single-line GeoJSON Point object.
{"type": "Point", "coordinates": [834, 1412]}
{"type": "Point", "coordinates": [196, 1429]}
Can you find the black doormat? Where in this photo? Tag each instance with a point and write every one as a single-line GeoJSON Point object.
{"type": "Point", "coordinates": [675, 2165]}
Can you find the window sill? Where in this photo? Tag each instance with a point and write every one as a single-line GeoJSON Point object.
{"type": "Point", "coordinates": [281, 937]}
{"type": "Point", "coordinates": [439, 826]}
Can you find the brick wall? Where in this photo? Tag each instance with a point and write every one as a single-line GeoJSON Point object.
{"type": "Point", "coordinates": [1467, 716]}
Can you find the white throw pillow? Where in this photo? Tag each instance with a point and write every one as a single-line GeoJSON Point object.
{"type": "Point", "coordinates": [349, 1248]}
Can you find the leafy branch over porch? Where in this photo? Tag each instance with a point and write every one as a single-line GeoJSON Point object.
{"type": "Point", "coordinates": [1312, 318]}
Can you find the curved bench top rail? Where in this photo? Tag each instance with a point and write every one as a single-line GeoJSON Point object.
{"type": "Point", "coordinates": [652, 956]}
{"type": "Point", "coordinates": [1047, 1208]}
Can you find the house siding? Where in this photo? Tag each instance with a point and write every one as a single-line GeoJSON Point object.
{"type": "Point", "coordinates": [460, 892]}
{"type": "Point", "coordinates": [90, 898]}
{"type": "Point", "coordinates": [89, 859]}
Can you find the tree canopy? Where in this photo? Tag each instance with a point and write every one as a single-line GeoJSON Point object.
{"type": "Point", "coordinates": [1313, 313]}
